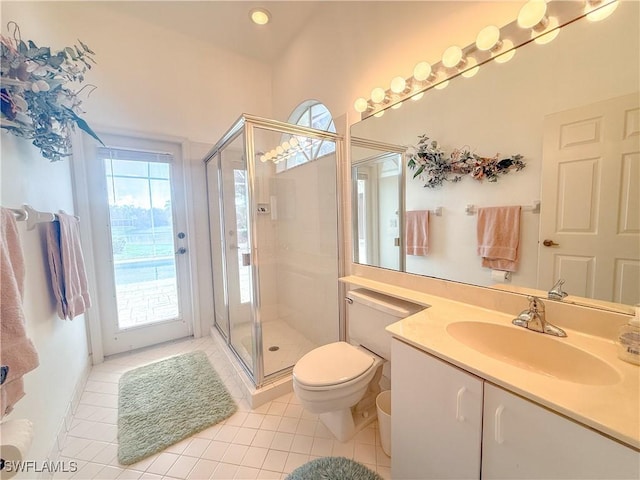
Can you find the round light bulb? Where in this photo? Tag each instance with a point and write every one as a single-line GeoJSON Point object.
{"type": "Point", "coordinates": [602, 12]}
{"type": "Point", "coordinates": [286, 145]}
{"type": "Point", "coordinates": [398, 84]}
{"type": "Point", "coordinates": [378, 95]}
{"type": "Point", "coordinates": [452, 56]}
{"type": "Point", "coordinates": [417, 96]}
{"type": "Point", "coordinates": [260, 16]}
{"type": "Point", "coordinates": [379, 114]}
{"type": "Point", "coordinates": [442, 85]}
{"type": "Point", "coordinates": [263, 158]}
{"type": "Point", "coordinates": [532, 13]}
{"type": "Point", "coordinates": [549, 34]}
{"type": "Point", "coordinates": [422, 71]}
{"type": "Point", "coordinates": [293, 141]}
{"type": "Point", "coordinates": [507, 47]}
{"type": "Point", "coordinates": [474, 68]}
{"type": "Point", "coordinates": [487, 38]}
{"type": "Point", "coordinates": [279, 150]}
{"type": "Point", "coordinates": [361, 105]}
{"type": "Point", "coordinates": [396, 106]}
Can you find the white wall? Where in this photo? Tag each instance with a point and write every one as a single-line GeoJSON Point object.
{"type": "Point", "coordinates": [61, 344]}
{"type": "Point", "coordinates": [351, 47]}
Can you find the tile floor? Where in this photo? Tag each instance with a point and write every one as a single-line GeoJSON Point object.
{"type": "Point", "coordinates": [265, 443]}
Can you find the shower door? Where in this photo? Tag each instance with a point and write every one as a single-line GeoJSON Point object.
{"type": "Point", "coordinates": [273, 218]}
{"type": "Point", "coordinates": [227, 176]}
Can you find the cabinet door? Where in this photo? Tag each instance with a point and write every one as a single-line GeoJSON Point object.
{"type": "Point", "coordinates": [436, 417]}
{"type": "Point", "coordinates": [524, 440]}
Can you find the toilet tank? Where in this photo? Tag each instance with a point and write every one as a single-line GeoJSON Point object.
{"type": "Point", "coordinates": [368, 313]}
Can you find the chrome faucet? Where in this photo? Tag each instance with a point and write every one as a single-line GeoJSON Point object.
{"type": "Point", "coordinates": [556, 292]}
{"type": "Point", "coordinates": [534, 319]}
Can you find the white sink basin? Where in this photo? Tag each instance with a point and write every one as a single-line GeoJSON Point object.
{"type": "Point", "coordinates": [536, 352]}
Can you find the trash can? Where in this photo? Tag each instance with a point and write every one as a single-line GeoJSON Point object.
{"type": "Point", "coordinates": [383, 406]}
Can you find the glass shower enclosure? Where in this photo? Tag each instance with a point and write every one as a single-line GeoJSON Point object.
{"type": "Point", "coordinates": [273, 204]}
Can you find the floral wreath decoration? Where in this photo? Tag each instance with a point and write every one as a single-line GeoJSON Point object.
{"type": "Point", "coordinates": [34, 100]}
{"type": "Point", "coordinates": [434, 167]}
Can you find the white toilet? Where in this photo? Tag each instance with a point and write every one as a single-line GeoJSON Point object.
{"type": "Point", "coordinates": [340, 381]}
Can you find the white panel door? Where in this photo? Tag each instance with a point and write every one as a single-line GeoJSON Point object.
{"type": "Point", "coordinates": [436, 418]}
{"type": "Point", "coordinates": [140, 242]}
{"type": "Point", "coordinates": [590, 217]}
{"type": "Point", "coordinates": [524, 440]}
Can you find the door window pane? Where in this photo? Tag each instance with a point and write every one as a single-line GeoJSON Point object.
{"type": "Point", "coordinates": [142, 239]}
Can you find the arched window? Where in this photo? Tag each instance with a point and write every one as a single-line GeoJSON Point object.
{"type": "Point", "coordinates": [314, 114]}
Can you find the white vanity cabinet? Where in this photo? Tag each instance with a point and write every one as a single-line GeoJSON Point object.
{"type": "Point", "coordinates": [523, 440]}
{"type": "Point", "coordinates": [448, 423]}
{"type": "Point", "coordinates": [436, 429]}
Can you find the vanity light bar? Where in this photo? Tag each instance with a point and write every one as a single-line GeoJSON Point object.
{"type": "Point", "coordinates": [538, 21]}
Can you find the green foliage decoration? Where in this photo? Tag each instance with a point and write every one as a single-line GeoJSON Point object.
{"type": "Point", "coordinates": [36, 101]}
{"type": "Point", "coordinates": [434, 167]}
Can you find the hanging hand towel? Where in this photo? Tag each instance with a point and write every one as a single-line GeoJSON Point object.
{"type": "Point", "coordinates": [17, 352]}
{"type": "Point", "coordinates": [417, 232]}
{"type": "Point", "coordinates": [66, 264]}
{"type": "Point", "coordinates": [498, 237]}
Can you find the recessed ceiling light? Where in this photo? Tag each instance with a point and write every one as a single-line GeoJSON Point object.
{"type": "Point", "coordinates": [260, 16]}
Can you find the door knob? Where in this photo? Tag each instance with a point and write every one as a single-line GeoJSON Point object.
{"type": "Point", "coordinates": [550, 243]}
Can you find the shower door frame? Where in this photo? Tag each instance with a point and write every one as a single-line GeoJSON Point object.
{"type": "Point", "coordinates": [245, 125]}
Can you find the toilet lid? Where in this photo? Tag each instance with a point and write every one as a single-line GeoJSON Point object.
{"type": "Point", "coordinates": [331, 364]}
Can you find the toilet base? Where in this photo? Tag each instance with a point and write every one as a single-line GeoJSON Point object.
{"type": "Point", "coordinates": [344, 424]}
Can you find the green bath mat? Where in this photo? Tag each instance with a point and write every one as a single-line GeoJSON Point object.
{"type": "Point", "coordinates": [167, 401]}
{"type": "Point", "coordinates": [333, 468]}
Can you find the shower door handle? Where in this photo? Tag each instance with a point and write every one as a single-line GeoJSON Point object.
{"type": "Point", "coordinates": [246, 259]}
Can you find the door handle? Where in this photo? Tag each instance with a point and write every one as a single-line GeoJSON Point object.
{"type": "Point", "coordinates": [181, 251]}
{"type": "Point", "coordinates": [550, 243]}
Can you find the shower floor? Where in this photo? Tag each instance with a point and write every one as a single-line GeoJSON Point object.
{"type": "Point", "coordinates": [282, 345]}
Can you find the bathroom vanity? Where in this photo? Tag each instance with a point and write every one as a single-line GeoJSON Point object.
{"type": "Point", "coordinates": [474, 396]}
{"type": "Point", "coordinates": [448, 423]}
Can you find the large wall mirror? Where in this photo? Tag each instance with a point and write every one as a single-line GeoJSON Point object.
{"type": "Point", "coordinates": [571, 108]}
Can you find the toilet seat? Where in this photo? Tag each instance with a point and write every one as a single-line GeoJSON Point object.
{"type": "Point", "coordinates": [332, 364]}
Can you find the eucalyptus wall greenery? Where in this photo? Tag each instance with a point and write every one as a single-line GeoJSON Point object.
{"type": "Point", "coordinates": [40, 90]}
{"type": "Point", "coordinates": [434, 167]}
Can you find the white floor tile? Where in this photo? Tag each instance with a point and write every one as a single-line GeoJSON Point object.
{"type": "Point", "coordinates": [264, 443]}
{"type": "Point", "coordinates": [182, 467]}
{"type": "Point", "coordinates": [254, 457]}
{"type": "Point", "coordinates": [163, 463]}
{"type": "Point", "coordinates": [224, 471]}
{"type": "Point", "coordinates": [202, 470]}
{"type": "Point", "coordinates": [275, 460]}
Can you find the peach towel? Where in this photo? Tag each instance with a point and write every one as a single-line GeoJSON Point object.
{"type": "Point", "coordinates": [16, 350]}
{"type": "Point", "coordinates": [66, 265]}
{"type": "Point", "coordinates": [417, 232]}
{"type": "Point", "coordinates": [498, 237]}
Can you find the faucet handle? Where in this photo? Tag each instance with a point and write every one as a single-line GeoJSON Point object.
{"type": "Point", "coordinates": [535, 304]}
{"type": "Point", "coordinates": [556, 292]}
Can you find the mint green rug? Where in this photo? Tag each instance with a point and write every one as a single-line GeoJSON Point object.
{"type": "Point", "coordinates": [167, 401]}
{"type": "Point", "coordinates": [333, 468]}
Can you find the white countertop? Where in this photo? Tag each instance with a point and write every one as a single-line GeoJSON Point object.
{"type": "Point", "coordinates": [613, 409]}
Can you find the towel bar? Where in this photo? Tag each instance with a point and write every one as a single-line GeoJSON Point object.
{"type": "Point", "coordinates": [535, 208]}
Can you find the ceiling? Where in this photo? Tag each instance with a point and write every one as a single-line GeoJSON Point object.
{"type": "Point", "coordinates": [226, 24]}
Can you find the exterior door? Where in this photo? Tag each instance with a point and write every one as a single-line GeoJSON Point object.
{"type": "Point", "coordinates": [139, 238]}
{"type": "Point", "coordinates": [590, 217]}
